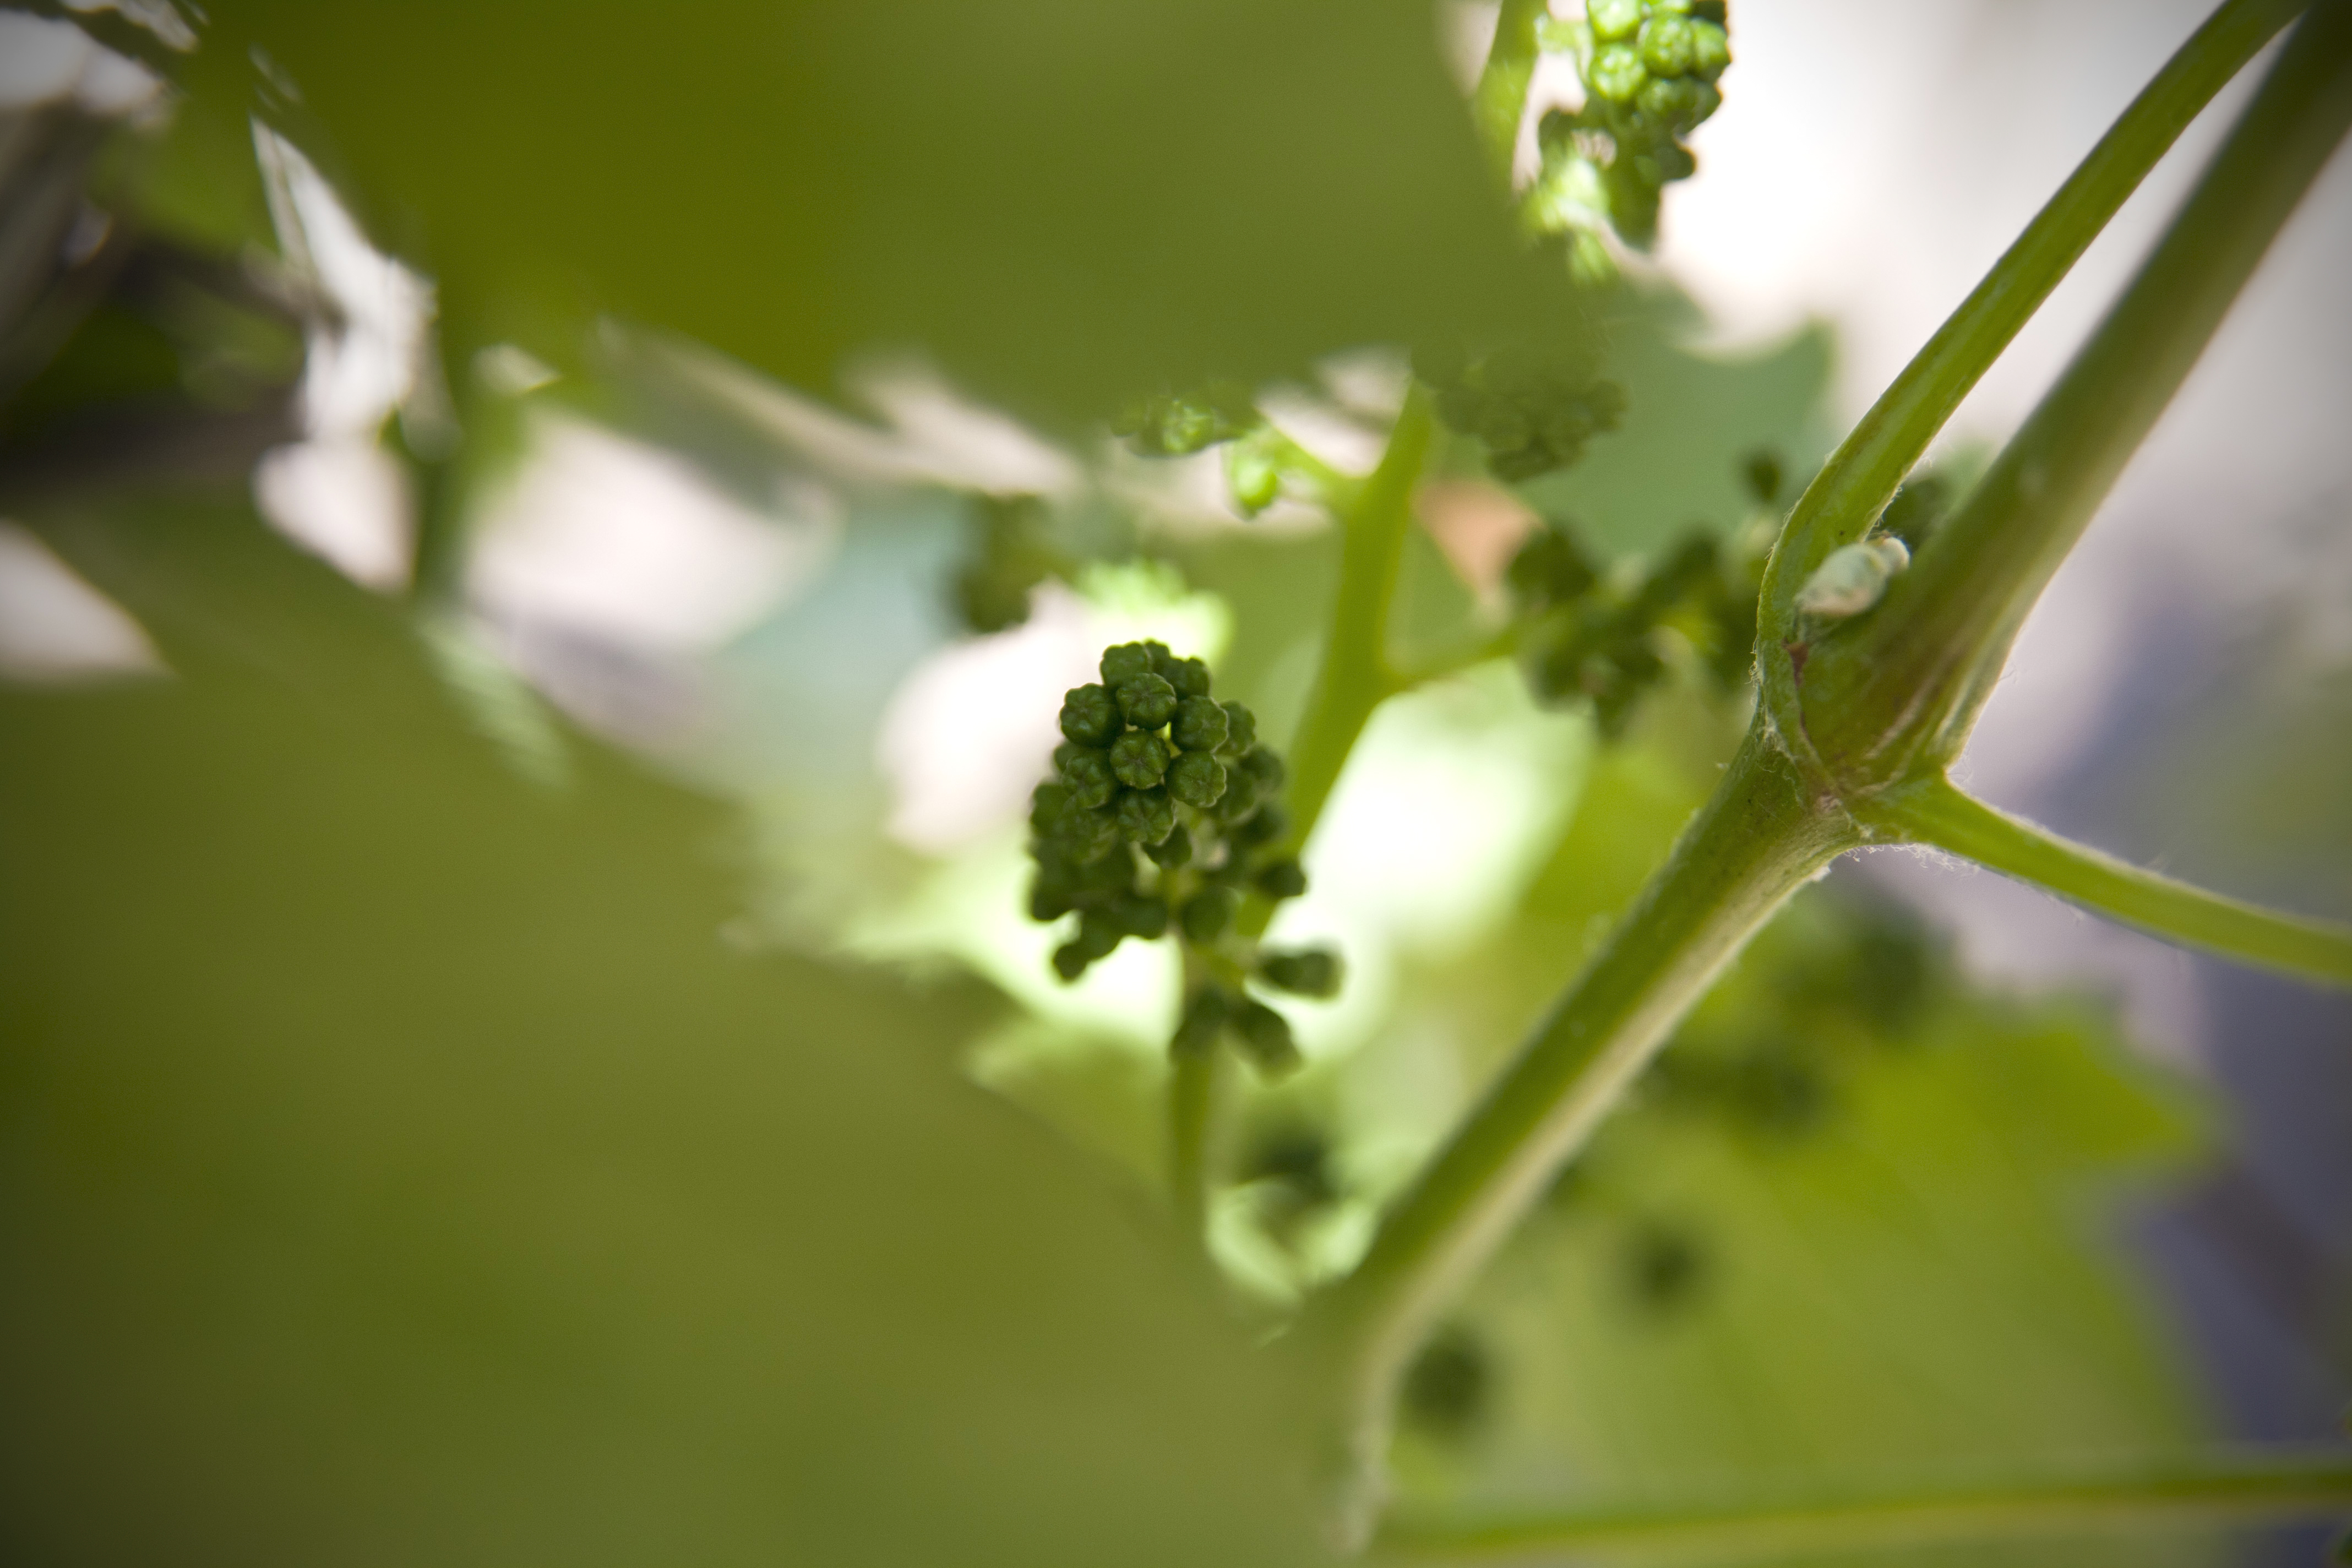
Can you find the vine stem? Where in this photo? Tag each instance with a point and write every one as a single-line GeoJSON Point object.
{"type": "Point", "coordinates": [1762, 836]}
{"type": "Point", "coordinates": [1780, 815]}
{"type": "Point", "coordinates": [1356, 676]}
{"type": "Point", "coordinates": [1936, 813]}
{"type": "Point", "coordinates": [1852, 488]}
{"type": "Point", "coordinates": [1500, 101]}
{"type": "Point", "coordinates": [2266, 1489]}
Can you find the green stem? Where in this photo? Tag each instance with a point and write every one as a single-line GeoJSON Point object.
{"type": "Point", "coordinates": [1191, 1100]}
{"type": "Point", "coordinates": [1846, 498]}
{"type": "Point", "coordinates": [1938, 814]}
{"type": "Point", "coordinates": [1355, 677]}
{"type": "Point", "coordinates": [2256, 1489]}
{"type": "Point", "coordinates": [1900, 690]}
{"type": "Point", "coordinates": [1756, 842]}
{"type": "Point", "coordinates": [1501, 100]}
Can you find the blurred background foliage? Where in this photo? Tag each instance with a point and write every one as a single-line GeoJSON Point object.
{"type": "Point", "coordinates": [489, 1075]}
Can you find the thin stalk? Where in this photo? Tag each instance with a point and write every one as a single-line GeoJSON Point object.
{"type": "Point", "coordinates": [1851, 491]}
{"type": "Point", "coordinates": [1500, 101]}
{"type": "Point", "coordinates": [2266, 1490]}
{"type": "Point", "coordinates": [1192, 1102]}
{"type": "Point", "coordinates": [1355, 677]}
{"type": "Point", "coordinates": [1938, 814]}
{"type": "Point", "coordinates": [1761, 838]}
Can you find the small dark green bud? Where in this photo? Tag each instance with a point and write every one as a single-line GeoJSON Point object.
{"type": "Point", "coordinates": [1049, 898]}
{"type": "Point", "coordinates": [1070, 960]}
{"type": "Point", "coordinates": [1671, 100]}
{"type": "Point", "coordinates": [1147, 701]}
{"type": "Point", "coordinates": [1666, 46]}
{"type": "Point", "coordinates": [1087, 832]}
{"type": "Point", "coordinates": [1045, 805]}
{"type": "Point", "coordinates": [1189, 677]}
{"type": "Point", "coordinates": [1089, 717]}
{"type": "Point", "coordinates": [1138, 916]}
{"type": "Point", "coordinates": [1087, 776]}
{"type": "Point", "coordinates": [1710, 49]}
{"type": "Point", "coordinates": [1262, 764]}
{"type": "Point", "coordinates": [1205, 916]}
{"type": "Point", "coordinates": [1146, 816]}
{"type": "Point", "coordinates": [1200, 725]}
{"type": "Point", "coordinates": [1205, 1011]}
{"type": "Point", "coordinates": [1197, 779]}
{"type": "Point", "coordinates": [1266, 1036]}
{"type": "Point", "coordinates": [1241, 727]}
{"type": "Point", "coordinates": [1173, 851]}
{"type": "Point", "coordinates": [1139, 759]}
{"type": "Point", "coordinates": [1270, 823]}
{"type": "Point", "coordinates": [1099, 933]}
{"type": "Point", "coordinates": [1241, 797]}
{"type": "Point", "coordinates": [1613, 19]}
{"type": "Point", "coordinates": [1281, 879]}
{"type": "Point", "coordinates": [1762, 471]}
{"type": "Point", "coordinates": [1549, 570]}
{"type": "Point", "coordinates": [1315, 971]}
{"type": "Point", "coordinates": [1125, 662]}
{"type": "Point", "coordinates": [1617, 73]}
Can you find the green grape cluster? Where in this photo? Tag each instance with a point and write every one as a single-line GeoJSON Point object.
{"type": "Point", "coordinates": [1585, 639]}
{"type": "Point", "coordinates": [1163, 812]}
{"type": "Point", "coordinates": [1650, 69]}
{"type": "Point", "coordinates": [1010, 557]}
{"type": "Point", "coordinates": [1534, 411]}
{"type": "Point", "coordinates": [1174, 425]}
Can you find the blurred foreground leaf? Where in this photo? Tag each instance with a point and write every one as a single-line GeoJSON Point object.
{"type": "Point", "coordinates": [401, 1169]}
{"type": "Point", "coordinates": [1070, 203]}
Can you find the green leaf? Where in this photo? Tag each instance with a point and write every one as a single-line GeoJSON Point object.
{"type": "Point", "coordinates": [403, 1166]}
{"type": "Point", "coordinates": [1071, 203]}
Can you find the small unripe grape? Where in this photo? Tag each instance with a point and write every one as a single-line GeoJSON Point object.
{"type": "Point", "coordinates": [1205, 1018]}
{"type": "Point", "coordinates": [1266, 1036]}
{"type": "Point", "coordinates": [1706, 102]}
{"type": "Point", "coordinates": [1137, 916]}
{"type": "Point", "coordinates": [1205, 916]}
{"type": "Point", "coordinates": [1613, 19]}
{"type": "Point", "coordinates": [1200, 725]}
{"type": "Point", "coordinates": [1253, 476]}
{"type": "Point", "coordinates": [1139, 759]}
{"type": "Point", "coordinates": [1281, 879]}
{"type": "Point", "coordinates": [1241, 727]}
{"type": "Point", "coordinates": [1070, 960]}
{"type": "Point", "coordinates": [1147, 701]}
{"type": "Point", "coordinates": [1762, 472]}
{"type": "Point", "coordinates": [1617, 73]}
{"type": "Point", "coordinates": [1196, 778]}
{"type": "Point", "coordinates": [1089, 776]}
{"type": "Point", "coordinates": [1262, 764]}
{"type": "Point", "coordinates": [1089, 717]}
{"type": "Point", "coordinates": [1173, 851]}
{"type": "Point", "coordinates": [1665, 45]}
{"type": "Point", "coordinates": [1269, 823]}
{"type": "Point", "coordinates": [1312, 973]}
{"type": "Point", "coordinates": [1125, 662]}
{"type": "Point", "coordinates": [1710, 50]}
{"type": "Point", "coordinates": [1146, 816]}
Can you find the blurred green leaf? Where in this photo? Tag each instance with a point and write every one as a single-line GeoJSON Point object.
{"type": "Point", "coordinates": [1068, 202]}
{"type": "Point", "coordinates": [403, 1168]}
